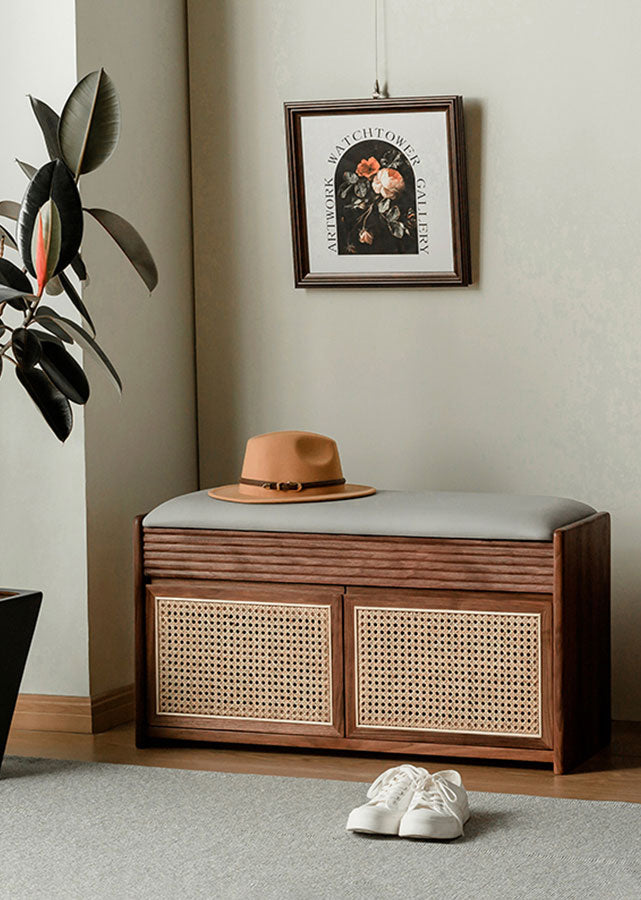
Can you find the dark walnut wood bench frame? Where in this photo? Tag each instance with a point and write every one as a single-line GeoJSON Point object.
{"type": "Point", "coordinates": [459, 648]}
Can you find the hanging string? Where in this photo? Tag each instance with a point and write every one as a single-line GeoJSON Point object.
{"type": "Point", "coordinates": [378, 93]}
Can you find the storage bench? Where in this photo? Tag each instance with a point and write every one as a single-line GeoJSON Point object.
{"type": "Point", "coordinates": [440, 624]}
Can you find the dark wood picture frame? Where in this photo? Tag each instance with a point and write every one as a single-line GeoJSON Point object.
{"type": "Point", "coordinates": [304, 277]}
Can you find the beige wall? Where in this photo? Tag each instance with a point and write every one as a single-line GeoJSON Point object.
{"type": "Point", "coordinates": [140, 449]}
{"type": "Point", "coordinates": [42, 525]}
{"type": "Point", "coordinates": [530, 380]}
{"type": "Point", "coordinates": [67, 510]}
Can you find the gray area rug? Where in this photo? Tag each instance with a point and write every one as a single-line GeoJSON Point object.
{"type": "Point", "coordinates": [93, 830]}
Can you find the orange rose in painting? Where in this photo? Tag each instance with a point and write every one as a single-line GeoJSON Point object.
{"type": "Point", "coordinates": [388, 183]}
{"type": "Point", "coordinates": [367, 168]}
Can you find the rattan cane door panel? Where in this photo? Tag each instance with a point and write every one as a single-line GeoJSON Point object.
{"type": "Point", "coordinates": [250, 658]}
{"type": "Point", "coordinates": [448, 667]}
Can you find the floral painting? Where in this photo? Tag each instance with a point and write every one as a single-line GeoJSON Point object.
{"type": "Point", "coordinates": [378, 192]}
{"type": "Point", "coordinates": [375, 200]}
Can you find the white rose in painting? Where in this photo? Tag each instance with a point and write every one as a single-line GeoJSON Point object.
{"type": "Point", "coordinates": [388, 183]}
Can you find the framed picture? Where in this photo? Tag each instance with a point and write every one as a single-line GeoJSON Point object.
{"type": "Point", "coordinates": [378, 192]}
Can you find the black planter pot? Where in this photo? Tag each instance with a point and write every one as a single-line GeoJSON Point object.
{"type": "Point", "coordinates": [18, 616]}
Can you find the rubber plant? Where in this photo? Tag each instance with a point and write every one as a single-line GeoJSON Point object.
{"type": "Point", "coordinates": [47, 238]}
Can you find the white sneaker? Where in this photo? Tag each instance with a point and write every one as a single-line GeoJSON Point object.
{"type": "Point", "coordinates": [389, 797]}
{"type": "Point", "coordinates": [438, 810]}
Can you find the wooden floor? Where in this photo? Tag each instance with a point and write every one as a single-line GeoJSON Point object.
{"type": "Point", "coordinates": [615, 774]}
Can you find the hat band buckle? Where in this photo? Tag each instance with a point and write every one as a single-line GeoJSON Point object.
{"type": "Point", "coordinates": [296, 486]}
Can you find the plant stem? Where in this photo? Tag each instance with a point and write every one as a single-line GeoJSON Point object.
{"type": "Point", "coordinates": [362, 220]}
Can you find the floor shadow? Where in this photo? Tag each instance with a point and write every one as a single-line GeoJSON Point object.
{"type": "Point", "coordinates": [607, 761]}
{"type": "Point", "coordinates": [363, 836]}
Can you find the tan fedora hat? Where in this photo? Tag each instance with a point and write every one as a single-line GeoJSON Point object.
{"type": "Point", "coordinates": [290, 467]}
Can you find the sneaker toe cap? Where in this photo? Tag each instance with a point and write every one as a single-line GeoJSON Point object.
{"type": "Point", "coordinates": [377, 820]}
{"type": "Point", "coordinates": [428, 823]}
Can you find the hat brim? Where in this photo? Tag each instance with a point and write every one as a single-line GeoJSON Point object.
{"type": "Point", "coordinates": [241, 493]}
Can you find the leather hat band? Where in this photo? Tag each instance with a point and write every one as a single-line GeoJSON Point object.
{"type": "Point", "coordinates": [290, 485]}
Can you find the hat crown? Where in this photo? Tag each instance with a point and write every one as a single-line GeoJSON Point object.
{"type": "Point", "coordinates": [296, 456]}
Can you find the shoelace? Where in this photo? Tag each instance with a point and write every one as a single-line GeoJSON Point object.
{"type": "Point", "coordinates": [388, 785]}
{"type": "Point", "coordinates": [437, 793]}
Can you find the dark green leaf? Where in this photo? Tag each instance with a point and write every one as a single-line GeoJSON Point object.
{"type": "Point", "coordinates": [18, 303]}
{"type": "Point", "coordinates": [90, 123]}
{"type": "Point", "coordinates": [9, 209]}
{"type": "Point", "coordinates": [29, 171]}
{"type": "Point", "coordinates": [79, 268]}
{"type": "Point", "coordinates": [9, 294]}
{"type": "Point", "coordinates": [51, 402]}
{"type": "Point", "coordinates": [361, 187]}
{"type": "Point", "coordinates": [393, 214]}
{"type": "Point", "coordinates": [46, 336]}
{"type": "Point", "coordinates": [8, 238]}
{"type": "Point", "coordinates": [345, 190]}
{"type": "Point", "coordinates": [46, 317]}
{"type": "Point", "coordinates": [397, 229]}
{"type": "Point", "coordinates": [383, 205]}
{"type": "Point", "coordinates": [64, 372]}
{"type": "Point", "coordinates": [13, 277]}
{"type": "Point", "coordinates": [75, 298]}
{"type": "Point", "coordinates": [130, 242]}
{"type": "Point", "coordinates": [84, 339]}
{"type": "Point", "coordinates": [53, 287]}
{"type": "Point", "coordinates": [48, 122]}
{"type": "Point", "coordinates": [26, 348]}
{"type": "Point", "coordinates": [352, 177]}
{"type": "Point", "coordinates": [53, 181]}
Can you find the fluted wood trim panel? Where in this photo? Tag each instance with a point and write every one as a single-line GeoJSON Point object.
{"type": "Point", "coordinates": [525, 566]}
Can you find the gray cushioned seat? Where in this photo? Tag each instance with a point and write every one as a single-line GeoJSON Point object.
{"type": "Point", "coordinates": [442, 514]}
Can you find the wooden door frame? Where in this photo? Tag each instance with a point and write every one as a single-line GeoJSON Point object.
{"type": "Point", "coordinates": [459, 600]}
{"type": "Point", "coordinates": [234, 592]}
